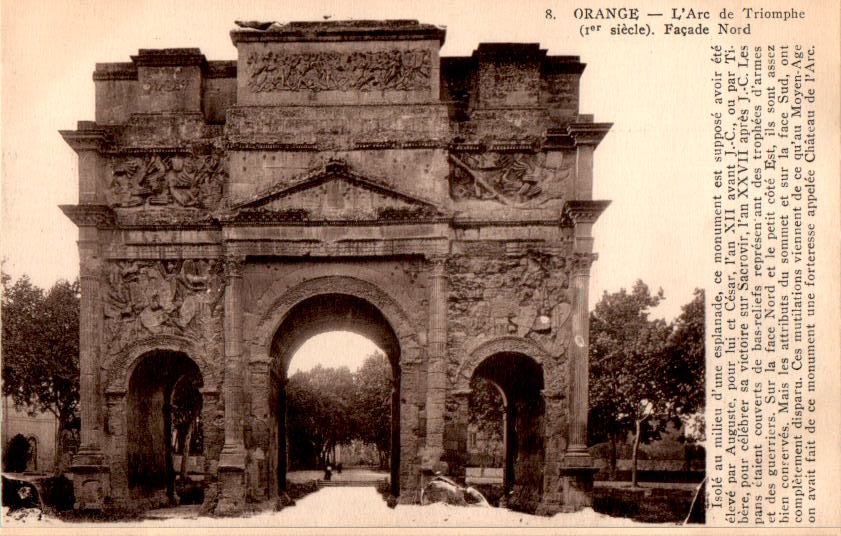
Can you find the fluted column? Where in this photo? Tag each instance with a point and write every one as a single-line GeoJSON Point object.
{"type": "Point", "coordinates": [233, 357]}
{"type": "Point", "coordinates": [89, 331]}
{"type": "Point", "coordinates": [232, 459]}
{"type": "Point", "coordinates": [579, 358]}
{"type": "Point", "coordinates": [436, 384]}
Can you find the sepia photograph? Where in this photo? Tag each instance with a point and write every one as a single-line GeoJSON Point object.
{"type": "Point", "coordinates": [369, 264]}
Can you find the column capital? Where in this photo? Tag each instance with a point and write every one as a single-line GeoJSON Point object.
{"type": "Point", "coordinates": [439, 263]}
{"type": "Point", "coordinates": [584, 212]}
{"type": "Point", "coordinates": [581, 263]}
{"type": "Point", "coordinates": [90, 266]}
{"type": "Point", "coordinates": [588, 133]}
{"type": "Point", "coordinates": [234, 265]}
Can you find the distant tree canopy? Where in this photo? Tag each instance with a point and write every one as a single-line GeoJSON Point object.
{"type": "Point", "coordinates": [372, 404]}
{"type": "Point", "coordinates": [487, 414]}
{"type": "Point", "coordinates": [328, 407]}
{"type": "Point", "coordinates": [41, 349]}
{"type": "Point", "coordinates": [643, 373]}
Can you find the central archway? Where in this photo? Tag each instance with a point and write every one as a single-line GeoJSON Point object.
{"type": "Point", "coordinates": [312, 316]}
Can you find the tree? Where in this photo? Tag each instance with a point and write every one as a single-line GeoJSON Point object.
{"type": "Point", "coordinates": [487, 413]}
{"type": "Point", "coordinates": [41, 350]}
{"type": "Point", "coordinates": [685, 367]}
{"type": "Point", "coordinates": [627, 354]}
{"type": "Point", "coordinates": [372, 404]}
{"type": "Point", "coordinates": [319, 418]}
{"type": "Point", "coordinates": [685, 358]}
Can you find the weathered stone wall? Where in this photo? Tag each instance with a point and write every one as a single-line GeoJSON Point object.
{"type": "Point", "coordinates": [337, 157]}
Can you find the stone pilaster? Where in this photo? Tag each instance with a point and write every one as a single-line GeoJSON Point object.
{"type": "Point", "coordinates": [568, 482]}
{"type": "Point", "coordinates": [436, 385]}
{"type": "Point", "coordinates": [232, 459]}
{"type": "Point", "coordinates": [456, 436]}
{"type": "Point", "coordinates": [91, 473]}
{"type": "Point", "coordinates": [579, 358]}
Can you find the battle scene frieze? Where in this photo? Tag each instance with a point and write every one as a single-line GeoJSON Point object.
{"type": "Point", "coordinates": [399, 70]}
{"type": "Point", "coordinates": [177, 297]}
{"type": "Point", "coordinates": [175, 180]}
{"type": "Point", "coordinates": [515, 179]}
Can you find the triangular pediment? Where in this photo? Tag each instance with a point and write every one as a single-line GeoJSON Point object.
{"type": "Point", "coordinates": [336, 193]}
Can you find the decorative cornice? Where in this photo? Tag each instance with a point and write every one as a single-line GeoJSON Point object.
{"type": "Point", "coordinates": [332, 169]}
{"type": "Point", "coordinates": [257, 146]}
{"type": "Point", "coordinates": [580, 211]}
{"type": "Point", "coordinates": [166, 149]}
{"type": "Point", "coordinates": [348, 30]}
{"type": "Point", "coordinates": [169, 57]}
{"type": "Point", "coordinates": [88, 137]}
{"type": "Point", "coordinates": [588, 133]}
{"type": "Point", "coordinates": [115, 71]}
{"type": "Point", "coordinates": [90, 215]}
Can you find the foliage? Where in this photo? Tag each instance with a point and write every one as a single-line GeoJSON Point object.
{"type": "Point", "coordinates": [372, 404]}
{"type": "Point", "coordinates": [41, 348]}
{"type": "Point", "coordinates": [685, 364]}
{"type": "Point", "coordinates": [318, 413]}
{"type": "Point", "coordinates": [328, 407]}
{"type": "Point", "coordinates": [627, 350]}
{"type": "Point", "coordinates": [487, 413]}
{"type": "Point", "coordinates": [644, 373]}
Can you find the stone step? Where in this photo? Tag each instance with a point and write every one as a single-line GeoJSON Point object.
{"type": "Point", "coordinates": [347, 483]}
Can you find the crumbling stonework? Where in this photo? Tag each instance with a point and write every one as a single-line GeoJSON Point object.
{"type": "Point", "coordinates": [338, 175]}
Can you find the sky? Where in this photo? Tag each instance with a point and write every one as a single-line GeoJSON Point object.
{"type": "Point", "coordinates": [648, 165]}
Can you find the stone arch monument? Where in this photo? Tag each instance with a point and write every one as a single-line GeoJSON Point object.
{"type": "Point", "coordinates": [443, 203]}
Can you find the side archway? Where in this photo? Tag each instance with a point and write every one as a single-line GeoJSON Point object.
{"type": "Point", "coordinates": [514, 366]}
{"type": "Point", "coordinates": [480, 350]}
{"type": "Point", "coordinates": [119, 370]}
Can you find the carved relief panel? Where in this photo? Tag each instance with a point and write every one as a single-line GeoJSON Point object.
{"type": "Point", "coordinates": [525, 294]}
{"type": "Point", "coordinates": [524, 180]}
{"type": "Point", "coordinates": [177, 297]}
{"type": "Point", "coordinates": [171, 180]}
{"type": "Point", "coordinates": [401, 70]}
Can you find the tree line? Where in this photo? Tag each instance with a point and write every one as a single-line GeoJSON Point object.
{"type": "Point", "coordinates": [644, 373]}
{"type": "Point", "coordinates": [329, 407]}
{"type": "Point", "coordinates": [41, 353]}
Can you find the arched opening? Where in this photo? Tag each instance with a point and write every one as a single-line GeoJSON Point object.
{"type": "Point", "coordinates": [17, 454]}
{"type": "Point", "coordinates": [311, 317]}
{"type": "Point", "coordinates": [163, 422]}
{"type": "Point", "coordinates": [506, 406]}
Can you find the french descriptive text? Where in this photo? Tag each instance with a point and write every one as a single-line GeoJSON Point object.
{"type": "Point", "coordinates": [762, 332]}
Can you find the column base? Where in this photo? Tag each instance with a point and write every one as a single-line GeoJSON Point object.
{"type": "Point", "coordinates": [231, 473]}
{"type": "Point", "coordinates": [571, 487]}
{"type": "Point", "coordinates": [431, 461]}
{"type": "Point", "coordinates": [91, 480]}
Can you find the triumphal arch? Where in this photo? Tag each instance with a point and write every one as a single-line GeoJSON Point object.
{"type": "Point", "coordinates": [336, 175]}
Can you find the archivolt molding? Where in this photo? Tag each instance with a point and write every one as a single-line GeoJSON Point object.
{"type": "Point", "coordinates": [119, 370]}
{"type": "Point", "coordinates": [477, 351]}
{"type": "Point", "coordinates": [277, 301]}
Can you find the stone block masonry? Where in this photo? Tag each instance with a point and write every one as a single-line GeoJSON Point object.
{"type": "Point", "coordinates": [336, 175]}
